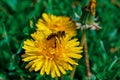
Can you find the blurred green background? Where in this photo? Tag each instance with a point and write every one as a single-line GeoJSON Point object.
{"type": "Point", "coordinates": [17, 22]}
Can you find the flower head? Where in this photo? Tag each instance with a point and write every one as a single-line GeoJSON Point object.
{"type": "Point", "coordinates": [92, 6]}
{"type": "Point", "coordinates": [94, 26]}
{"type": "Point", "coordinates": [53, 54]}
{"type": "Point", "coordinates": [57, 23]}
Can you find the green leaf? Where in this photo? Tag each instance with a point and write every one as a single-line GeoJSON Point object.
{"type": "Point", "coordinates": [12, 4]}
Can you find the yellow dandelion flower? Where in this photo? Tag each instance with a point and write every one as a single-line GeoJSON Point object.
{"type": "Point", "coordinates": [53, 54]}
{"type": "Point", "coordinates": [57, 23]}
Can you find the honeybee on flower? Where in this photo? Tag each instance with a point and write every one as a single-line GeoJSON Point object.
{"type": "Point", "coordinates": [53, 56]}
{"type": "Point", "coordinates": [52, 50]}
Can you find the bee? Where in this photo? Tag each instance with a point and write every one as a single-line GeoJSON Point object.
{"type": "Point", "coordinates": [59, 34]}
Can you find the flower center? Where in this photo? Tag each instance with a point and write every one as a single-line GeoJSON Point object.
{"type": "Point", "coordinates": [52, 49]}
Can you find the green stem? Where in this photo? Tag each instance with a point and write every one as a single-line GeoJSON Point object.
{"type": "Point", "coordinates": [87, 59]}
